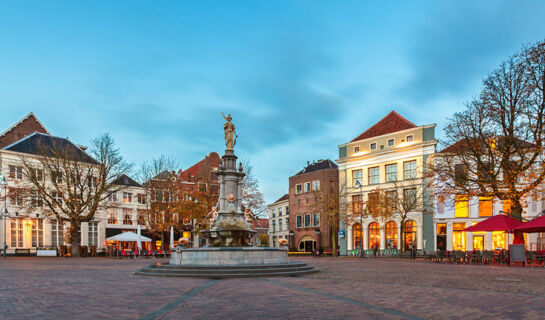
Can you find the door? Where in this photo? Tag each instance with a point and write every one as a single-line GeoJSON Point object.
{"type": "Point", "coordinates": [441, 242]}
{"type": "Point", "coordinates": [478, 243]}
{"type": "Point", "coordinates": [27, 230]}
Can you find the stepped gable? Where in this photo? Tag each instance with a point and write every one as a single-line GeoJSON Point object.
{"type": "Point", "coordinates": [318, 165]}
{"type": "Point", "coordinates": [21, 129]}
{"type": "Point", "coordinates": [393, 122]}
{"type": "Point", "coordinates": [43, 145]}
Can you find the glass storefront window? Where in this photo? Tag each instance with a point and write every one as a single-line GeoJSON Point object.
{"type": "Point", "coordinates": [485, 207]}
{"type": "Point", "coordinates": [461, 208]}
{"type": "Point", "coordinates": [391, 234]}
{"type": "Point", "coordinates": [374, 235]}
{"type": "Point", "coordinates": [356, 235]}
{"type": "Point", "coordinates": [478, 241]}
{"type": "Point", "coordinates": [458, 236]}
{"type": "Point", "coordinates": [498, 239]}
{"type": "Point", "coordinates": [409, 234]}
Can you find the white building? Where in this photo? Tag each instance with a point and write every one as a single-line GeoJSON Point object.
{"type": "Point", "coordinates": [279, 212]}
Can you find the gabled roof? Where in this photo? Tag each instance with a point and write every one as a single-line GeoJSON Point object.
{"type": "Point", "coordinates": [318, 165]}
{"type": "Point", "coordinates": [393, 122]}
{"type": "Point", "coordinates": [212, 159]}
{"type": "Point", "coordinates": [22, 128]}
{"type": "Point", "coordinates": [284, 197]}
{"type": "Point", "coordinates": [43, 145]}
{"type": "Point", "coordinates": [260, 223]}
{"type": "Point", "coordinates": [125, 180]}
{"type": "Point", "coordinates": [462, 145]}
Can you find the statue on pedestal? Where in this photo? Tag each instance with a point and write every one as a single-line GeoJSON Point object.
{"type": "Point", "coordinates": [230, 133]}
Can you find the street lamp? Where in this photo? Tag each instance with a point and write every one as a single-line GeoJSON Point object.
{"type": "Point", "coordinates": [317, 230]}
{"type": "Point", "coordinates": [358, 184]}
{"type": "Point", "coordinates": [290, 244]}
{"type": "Point", "coordinates": [5, 214]}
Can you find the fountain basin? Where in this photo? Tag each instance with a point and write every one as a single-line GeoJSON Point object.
{"type": "Point", "coordinates": [229, 256]}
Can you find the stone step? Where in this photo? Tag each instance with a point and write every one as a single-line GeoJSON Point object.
{"type": "Point", "coordinates": [215, 275]}
{"type": "Point", "coordinates": [204, 267]}
{"type": "Point", "coordinates": [227, 271]}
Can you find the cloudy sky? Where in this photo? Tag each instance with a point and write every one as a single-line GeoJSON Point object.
{"type": "Point", "coordinates": [299, 77]}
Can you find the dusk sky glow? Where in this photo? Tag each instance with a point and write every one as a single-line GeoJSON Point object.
{"type": "Point", "coordinates": [298, 77]}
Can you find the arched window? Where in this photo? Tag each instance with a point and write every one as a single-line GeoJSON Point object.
{"type": "Point", "coordinates": [357, 236]}
{"type": "Point", "coordinates": [391, 235]}
{"type": "Point", "coordinates": [307, 244]}
{"type": "Point", "coordinates": [374, 235]}
{"type": "Point", "coordinates": [409, 234]}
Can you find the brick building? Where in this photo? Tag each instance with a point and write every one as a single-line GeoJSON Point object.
{"type": "Point", "coordinates": [310, 229]}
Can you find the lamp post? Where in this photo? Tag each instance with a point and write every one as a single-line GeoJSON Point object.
{"type": "Point", "coordinates": [317, 230]}
{"type": "Point", "coordinates": [5, 213]}
{"type": "Point", "coordinates": [358, 184]}
{"type": "Point", "coordinates": [290, 244]}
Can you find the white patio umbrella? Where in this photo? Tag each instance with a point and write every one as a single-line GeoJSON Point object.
{"type": "Point", "coordinates": [128, 236]}
{"type": "Point", "coordinates": [138, 237]}
{"type": "Point", "coordinates": [171, 237]}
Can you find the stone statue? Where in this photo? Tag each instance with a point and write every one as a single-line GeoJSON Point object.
{"type": "Point", "coordinates": [230, 133]}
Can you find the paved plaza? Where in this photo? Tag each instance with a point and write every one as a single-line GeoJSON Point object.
{"type": "Point", "coordinates": [346, 288]}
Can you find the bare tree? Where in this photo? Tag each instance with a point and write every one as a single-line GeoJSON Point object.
{"type": "Point", "coordinates": [252, 197]}
{"type": "Point", "coordinates": [68, 183]}
{"type": "Point", "coordinates": [494, 148]}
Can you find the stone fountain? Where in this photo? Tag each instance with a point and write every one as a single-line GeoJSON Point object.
{"type": "Point", "coordinates": [228, 252]}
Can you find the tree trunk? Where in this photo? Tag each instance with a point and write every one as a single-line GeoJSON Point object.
{"type": "Point", "coordinates": [74, 239]}
{"type": "Point", "coordinates": [333, 242]}
{"type": "Point", "coordinates": [516, 211]}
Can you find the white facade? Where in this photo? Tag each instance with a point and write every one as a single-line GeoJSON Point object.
{"type": "Point", "coordinates": [278, 221]}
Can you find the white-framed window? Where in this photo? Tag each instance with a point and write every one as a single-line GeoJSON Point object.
{"type": "Point", "coordinates": [16, 172]}
{"type": "Point", "coordinates": [374, 175]}
{"type": "Point", "coordinates": [356, 149]}
{"type": "Point", "coordinates": [91, 182]}
{"type": "Point", "coordinates": [391, 142]}
{"type": "Point", "coordinates": [287, 223]}
{"type": "Point", "coordinates": [409, 169]}
{"type": "Point", "coordinates": [373, 146]}
{"type": "Point", "coordinates": [37, 233]}
{"type": "Point", "coordinates": [127, 197]}
{"type": "Point", "coordinates": [93, 233]}
{"type": "Point", "coordinates": [307, 220]}
{"type": "Point", "coordinates": [316, 185]}
{"type": "Point", "coordinates": [56, 233]}
{"type": "Point", "coordinates": [316, 219]}
{"type": "Point", "coordinates": [279, 224]}
{"type": "Point", "coordinates": [57, 197]}
{"type": "Point", "coordinates": [357, 175]}
{"type": "Point", "coordinates": [410, 138]}
{"type": "Point", "coordinates": [112, 216]}
{"type": "Point", "coordinates": [17, 229]}
{"type": "Point", "coordinates": [141, 198]}
{"type": "Point", "coordinates": [36, 199]}
{"type": "Point", "coordinates": [16, 196]}
{"type": "Point", "coordinates": [112, 197]}
{"type": "Point", "coordinates": [56, 177]}
{"type": "Point", "coordinates": [279, 212]}
{"type": "Point", "coordinates": [391, 172]}
{"type": "Point", "coordinates": [307, 186]}
{"type": "Point", "coordinates": [299, 222]}
{"type": "Point", "coordinates": [37, 174]}
{"type": "Point", "coordinates": [298, 188]}
{"type": "Point", "coordinates": [274, 213]}
{"type": "Point", "coordinates": [127, 216]}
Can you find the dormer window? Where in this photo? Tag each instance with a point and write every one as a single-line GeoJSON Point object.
{"type": "Point", "coordinates": [373, 146]}
{"type": "Point", "coordinates": [410, 138]}
{"type": "Point", "coordinates": [391, 142]}
{"type": "Point", "coordinates": [356, 149]}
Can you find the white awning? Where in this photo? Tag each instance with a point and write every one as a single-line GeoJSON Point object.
{"type": "Point", "coordinates": [128, 236]}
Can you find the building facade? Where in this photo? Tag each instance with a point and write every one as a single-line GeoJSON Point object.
{"type": "Point", "coordinates": [311, 229]}
{"type": "Point", "coordinates": [279, 220]}
{"type": "Point", "coordinates": [389, 156]}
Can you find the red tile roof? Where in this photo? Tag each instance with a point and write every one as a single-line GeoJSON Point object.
{"type": "Point", "coordinates": [213, 159]}
{"type": "Point", "coordinates": [260, 223]}
{"type": "Point", "coordinates": [393, 122]}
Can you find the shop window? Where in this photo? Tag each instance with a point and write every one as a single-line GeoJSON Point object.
{"type": "Point", "coordinates": [458, 236]}
{"type": "Point", "coordinates": [391, 234]}
{"type": "Point", "coordinates": [478, 241]}
{"type": "Point", "coordinates": [461, 206]}
{"type": "Point", "coordinates": [441, 239]}
{"type": "Point", "coordinates": [374, 235]}
{"type": "Point", "coordinates": [356, 235]}
{"type": "Point", "coordinates": [498, 240]}
{"type": "Point", "coordinates": [409, 234]}
{"type": "Point", "coordinates": [485, 206]}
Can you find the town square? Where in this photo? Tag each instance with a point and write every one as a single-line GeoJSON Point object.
{"type": "Point", "coordinates": [276, 160]}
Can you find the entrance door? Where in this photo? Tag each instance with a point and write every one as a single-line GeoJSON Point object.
{"type": "Point", "coordinates": [27, 225]}
{"type": "Point", "coordinates": [441, 242]}
{"type": "Point", "coordinates": [478, 243]}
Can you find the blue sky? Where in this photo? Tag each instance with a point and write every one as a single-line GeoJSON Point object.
{"type": "Point", "coordinates": [299, 77]}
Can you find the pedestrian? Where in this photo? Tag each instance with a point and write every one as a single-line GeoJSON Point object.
{"type": "Point", "coordinates": [375, 249]}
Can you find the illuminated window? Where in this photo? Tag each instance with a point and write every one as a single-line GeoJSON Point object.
{"type": "Point", "coordinates": [507, 206]}
{"type": "Point", "coordinates": [374, 235]}
{"type": "Point", "coordinates": [485, 206]}
{"type": "Point", "coordinates": [391, 235]}
{"type": "Point", "coordinates": [498, 239]}
{"type": "Point", "coordinates": [458, 236]}
{"type": "Point", "coordinates": [37, 233]}
{"type": "Point", "coordinates": [409, 234]}
{"type": "Point", "coordinates": [356, 235]}
{"type": "Point", "coordinates": [127, 197]}
{"type": "Point", "coordinates": [478, 241]}
{"type": "Point", "coordinates": [112, 216]}
{"type": "Point", "coordinates": [356, 204]}
{"type": "Point", "coordinates": [461, 207]}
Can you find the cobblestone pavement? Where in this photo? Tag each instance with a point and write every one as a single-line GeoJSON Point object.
{"type": "Point", "coordinates": [103, 288]}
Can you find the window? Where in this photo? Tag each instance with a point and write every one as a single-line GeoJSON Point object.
{"type": "Point", "coordinates": [409, 234]}
{"type": "Point", "coordinates": [391, 198]}
{"type": "Point", "coordinates": [279, 224]}
{"type": "Point", "coordinates": [127, 219]}
{"type": "Point", "coordinates": [373, 146]}
{"type": "Point", "coordinates": [356, 149]}
{"type": "Point", "coordinates": [391, 142]}
{"type": "Point", "coordinates": [17, 227]}
{"type": "Point", "coordinates": [458, 236]}
{"type": "Point", "coordinates": [299, 222]}
{"type": "Point", "coordinates": [410, 138]}
{"type": "Point", "coordinates": [409, 169]}
{"type": "Point", "coordinates": [287, 223]}
{"type": "Point", "coordinates": [298, 188]}
{"type": "Point", "coordinates": [112, 197]}
{"type": "Point", "coordinates": [279, 212]}
{"type": "Point", "coordinates": [141, 198]}
{"type": "Point", "coordinates": [16, 196]}
{"type": "Point", "coordinates": [356, 204]}
{"type": "Point", "coordinates": [274, 213]}
{"type": "Point", "coordinates": [507, 206]}
{"type": "Point", "coordinates": [409, 198]}
{"type": "Point", "coordinates": [460, 173]}
{"type": "Point", "coordinates": [112, 216]}
{"type": "Point", "coordinates": [92, 234]}
{"type": "Point", "coordinates": [356, 235]}
{"type": "Point", "coordinates": [16, 172]}
{"type": "Point", "coordinates": [287, 210]}
{"type": "Point", "coordinates": [357, 175]}
{"type": "Point", "coordinates": [374, 175]}
{"type": "Point", "coordinates": [485, 206]}
{"type": "Point", "coordinates": [307, 186]}
{"type": "Point", "coordinates": [307, 220]}
{"type": "Point", "coordinates": [56, 196]}
{"type": "Point", "coordinates": [315, 185]}
{"type": "Point", "coordinates": [498, 239]}
{"type": "Point", "coordinates": [316, 219]}
{"type": "Point", "coordinates": [391, 172]}
{"type": "Point", "coordinates": [37, 174]}
{"type": "Point", "coordinates": [461, 207]}
{"type": "Point", "coordinates": [36, 199]}
{"type": "Point", "coordinates": [391, 234]}
{"type": "Point", "coordinates": [56, 177]}
{"type": "Point", "coordinates": [141, 217]}
{"type": "Point", "coordinates": [56, 233]}
{"type": "Point", "coordinates": [274, 226]}
{"type": "Point", "coordinates": [91, 182]}
{"type": "Point", "coordinates": [374, 235]}
{"type": "Point", "coordinates": [37, 233]}
{"type": "Point", "coordinates": [127, 197]}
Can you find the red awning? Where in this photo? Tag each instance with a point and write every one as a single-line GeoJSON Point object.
{"type": "Point", "coordinates": [495, 223]}
{"type": "Point", "coordinates": [536, 225]}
